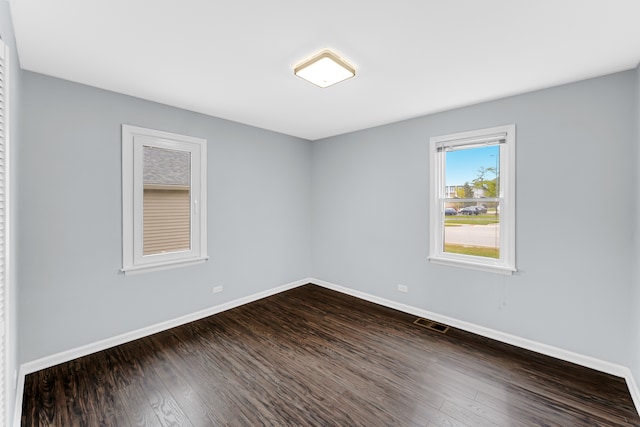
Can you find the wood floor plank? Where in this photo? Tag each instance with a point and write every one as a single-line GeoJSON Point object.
{"type": "Point", "coordinates": [476, 414]}
{"type": "Point", "coordinates": [136, 406]}
{"type": "Point", "coordinates": [315, 357]}
{"type": "Point", "coordinates": [183, 393]}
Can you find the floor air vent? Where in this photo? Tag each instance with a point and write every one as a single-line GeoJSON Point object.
{"type": "Point", "coordinates": [430, 324]}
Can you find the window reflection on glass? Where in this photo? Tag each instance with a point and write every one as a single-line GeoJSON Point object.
{"type": "Point", "coordinates": [167, 200]}
{"type": "Point", "coordinates": [470, 205]}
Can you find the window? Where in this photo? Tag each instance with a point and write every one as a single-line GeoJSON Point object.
{"type": "Point", "coordinates": [164, 180]}
{"type": "Point", "coordinates": [473, 199]}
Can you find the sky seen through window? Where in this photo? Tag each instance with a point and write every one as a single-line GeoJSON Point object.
{"type": "Point", "coordinates": [463, 165]}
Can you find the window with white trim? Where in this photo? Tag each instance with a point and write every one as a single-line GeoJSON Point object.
{"type": "Point", "coordinates": [164, 199]}
{"type": "Point", "coordinates": [472, 200]}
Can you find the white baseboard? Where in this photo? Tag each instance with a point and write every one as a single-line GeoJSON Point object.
{"type": "Point", "coordinates": [85, 350]}
{"type": "Point", "coordinates": [17, 410]}
{"type": "Point", "coordinates": [633, 389]}
{"type": "Point", "coordinates": [569, 356]}
{"type": "Point", "coordinates": [548, 350]}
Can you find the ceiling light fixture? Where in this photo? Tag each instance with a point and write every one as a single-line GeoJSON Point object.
{"type": "Point", "coordinates": [324, 69]}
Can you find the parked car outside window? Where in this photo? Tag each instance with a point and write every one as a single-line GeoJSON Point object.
{"type": "Point", "coordinates": [469, 210]}
{"type": "Point", "coordinates": [450, 211]}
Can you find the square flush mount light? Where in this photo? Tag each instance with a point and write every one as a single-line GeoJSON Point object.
{"type": "Point", "coordinates": [324, 69]}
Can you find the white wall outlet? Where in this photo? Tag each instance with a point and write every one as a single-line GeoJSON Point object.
{"type": "Point", "coordinates": [217, 289]}
{"type": "Point", "coordinates": [403, 288]}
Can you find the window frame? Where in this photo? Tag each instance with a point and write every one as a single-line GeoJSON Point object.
{"type": "Point", "coordinates": [134, 138]}
{"type": "Point", "coordinates": [506, 264]}
{"type": "Point", "coordinates": [6, 336]}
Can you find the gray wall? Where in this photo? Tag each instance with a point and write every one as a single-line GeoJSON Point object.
{"type": "Point", "coordinates": [574, 199]}
{"type": "Point", "coordinates": [15, 94]}
{"type": "Point", "coordinates": [70, 217]}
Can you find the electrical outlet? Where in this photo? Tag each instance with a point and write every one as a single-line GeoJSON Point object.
{"type": "Point", "coordinates": [403, 288]}
{"type": "Point", "coordinates": [217, 289]}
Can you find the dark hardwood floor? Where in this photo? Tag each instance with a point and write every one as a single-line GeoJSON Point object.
{"type": "Point", "coordinates": [311, 356]}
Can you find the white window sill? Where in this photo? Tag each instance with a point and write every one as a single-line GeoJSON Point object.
{"type": "Point", "coordinates": [473, 265]}
{"type": "Point", "coordinates": [162, 266]}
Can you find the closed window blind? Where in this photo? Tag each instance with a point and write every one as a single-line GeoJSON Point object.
{"type": "Point", "coordinates": [167, 220]}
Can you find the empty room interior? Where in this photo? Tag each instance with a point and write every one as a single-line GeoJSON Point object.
{"type": "Point", "coordinates": [194, 231]}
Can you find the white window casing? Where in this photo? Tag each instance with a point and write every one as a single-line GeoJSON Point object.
{"type": "Point", "coordinates": [164, 200]}
{"type": "Point", "coordinates": [5, 374]}
{"type": "Point", "coordinates": [505, 138]}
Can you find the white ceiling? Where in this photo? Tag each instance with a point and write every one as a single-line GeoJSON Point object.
{"type": "Point", "coordinates": [235, 59]}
